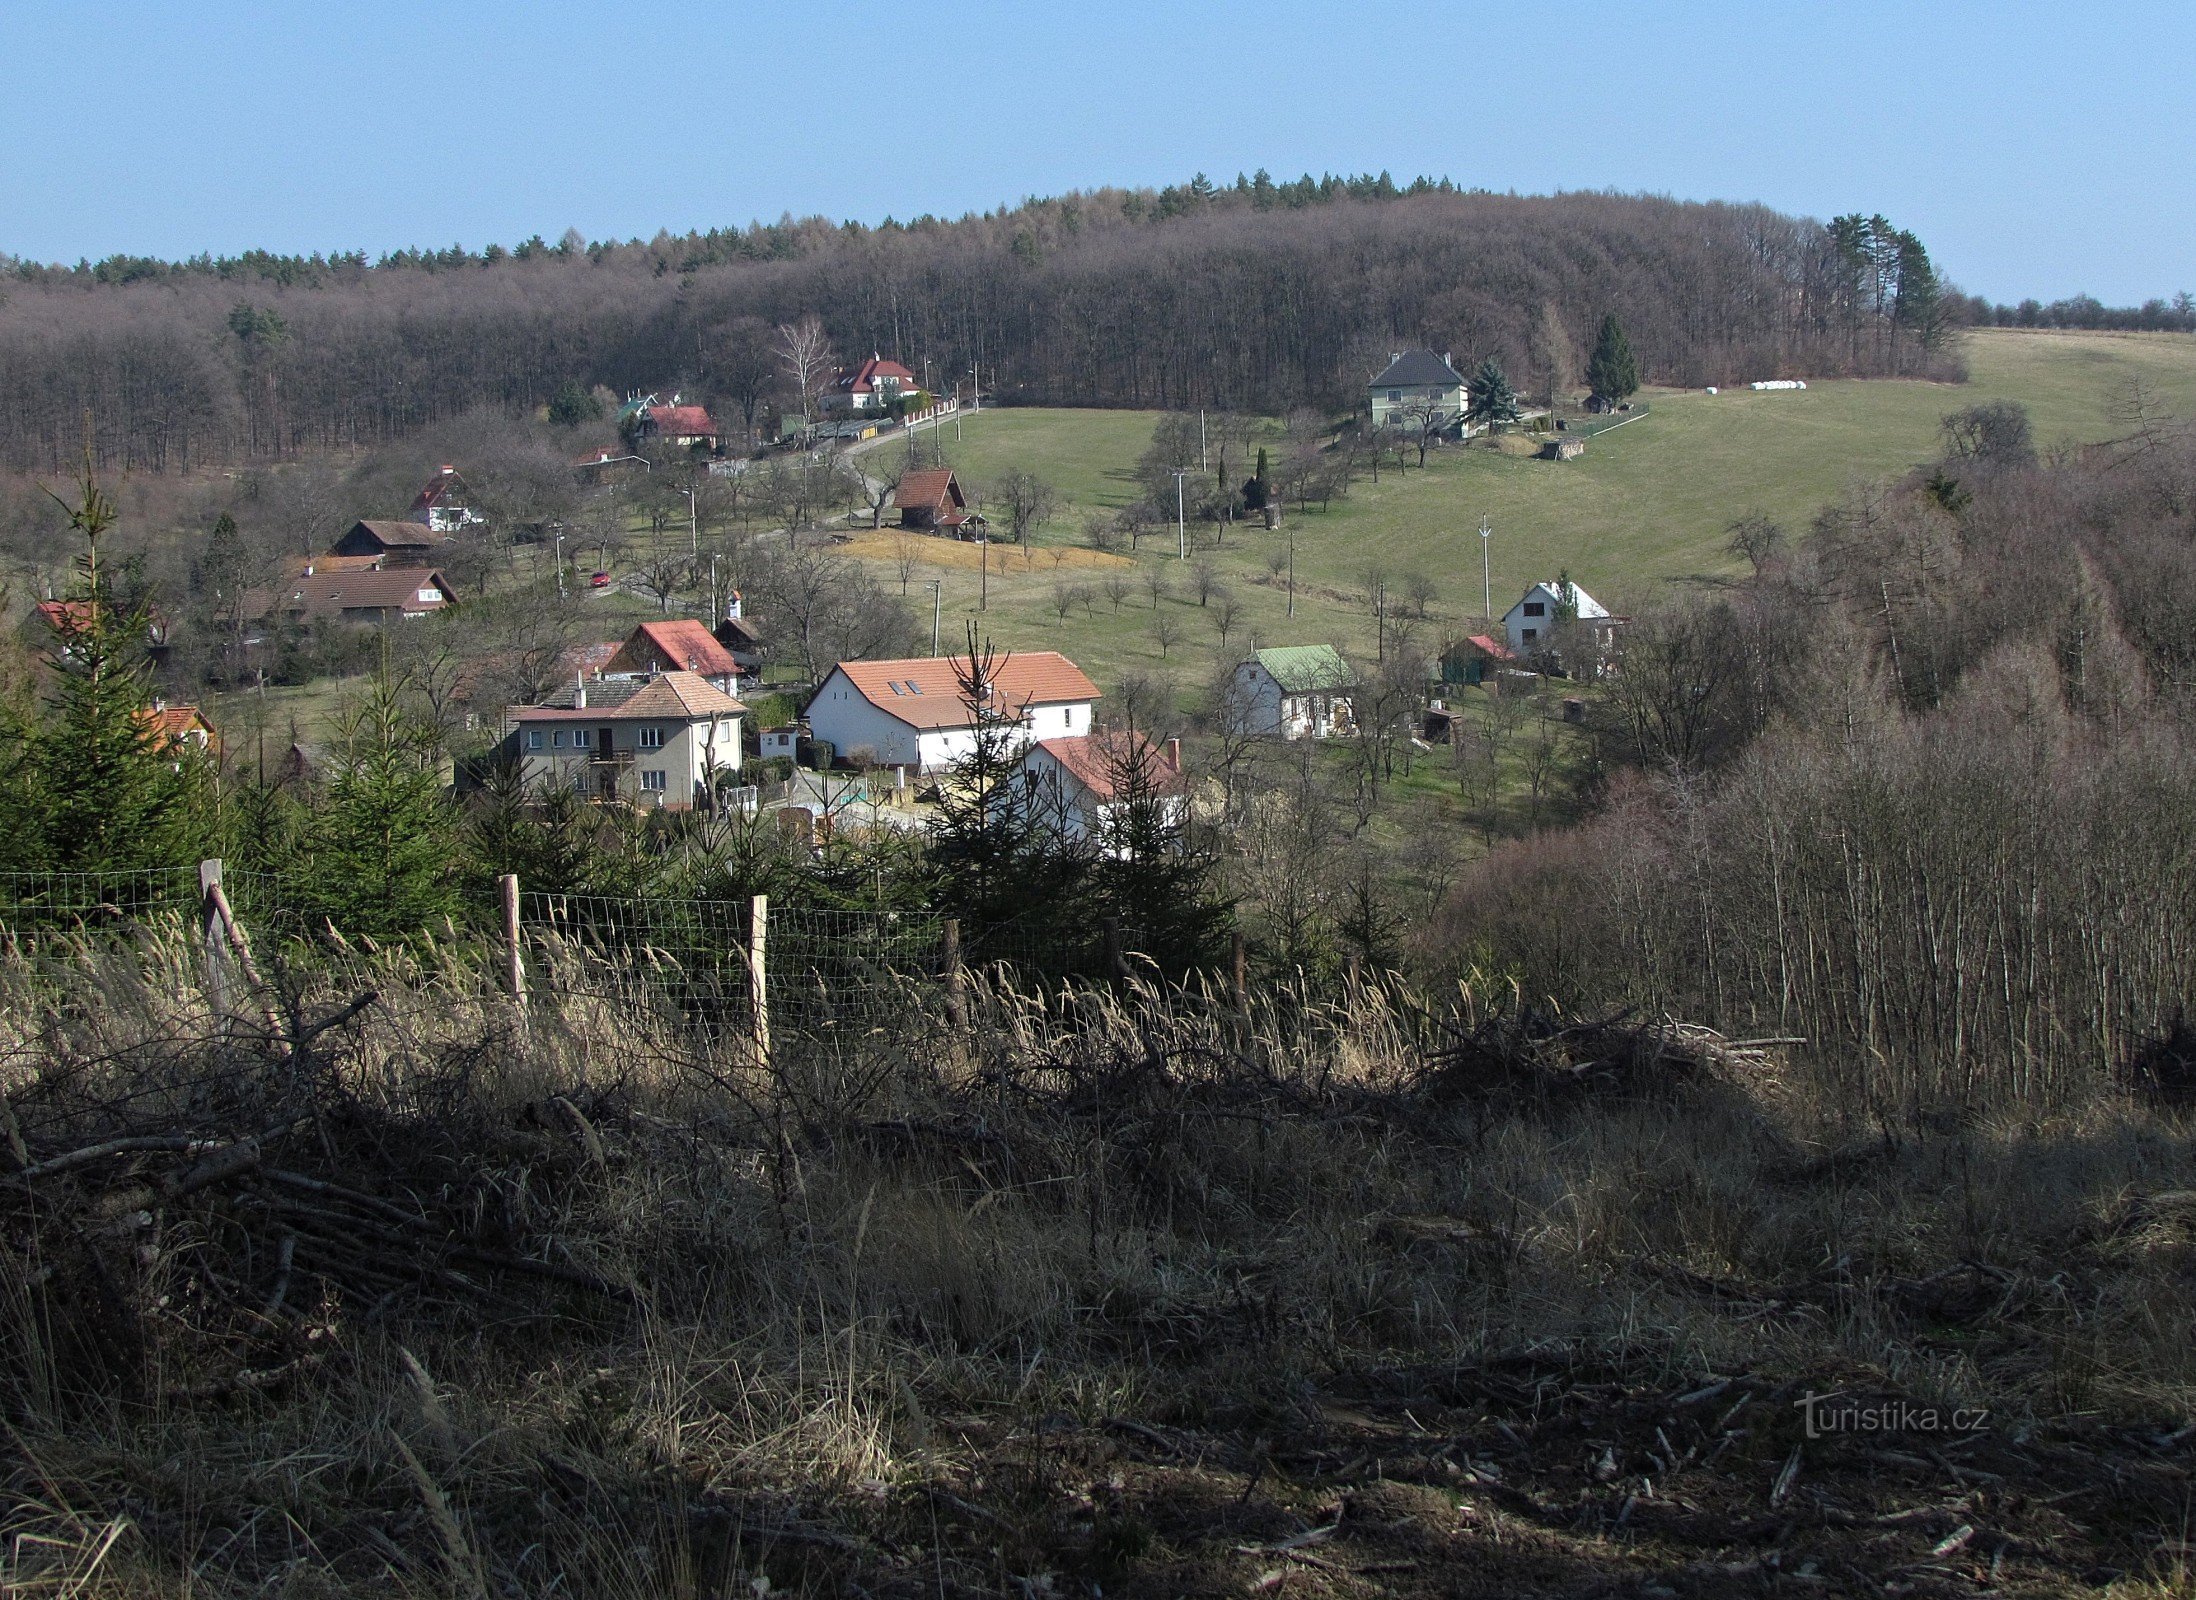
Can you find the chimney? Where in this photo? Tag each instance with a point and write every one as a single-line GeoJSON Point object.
{"type": "Point", "coordinates": [579, 691]}
{"type": "Point", "coordinates": [732, 607]}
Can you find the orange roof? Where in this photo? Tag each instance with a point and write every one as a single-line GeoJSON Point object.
{"type": "Point", "coordinates": [175, 724]}
{"type": "Point", "coordinates": [925, 691]}
{"type": "Point", "coordinates": [864, 378]}
{"type": "Point", "coordinates": [681, 422]}
{"type": "Point", "coordinates": [681, 645]}
{"type": "Point", "coordinates": [1098, 760]}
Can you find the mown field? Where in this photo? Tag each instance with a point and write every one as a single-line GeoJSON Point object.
{"type": "Point", "coordinates": [1648, 504]}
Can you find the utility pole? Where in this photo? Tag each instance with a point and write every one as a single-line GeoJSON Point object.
{"type": "Point", "coordinates": [1292, 567]}
{"type": "Point", "coordinates": [1486, 568]}
{"type": "Point", "coordinates": [560, 564]}
{"type": "Point", "coordinates": [937, 601]}
{"type": "Point", "coordinates": [1181, 521]}
{"type": "Point", "coordinates": [983, 570]}
{"type": "Point", "coordinates": [713, 617]}
{"type": "Point", "coordinates": [693, 524]}
{"type": "Point", "coordinates": [1203, 465]}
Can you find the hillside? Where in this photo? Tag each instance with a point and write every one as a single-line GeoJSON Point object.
{"type": "Point", "coordinates": [1249, 298]}
{"type": "Point", "coordinates": [1647, 504]}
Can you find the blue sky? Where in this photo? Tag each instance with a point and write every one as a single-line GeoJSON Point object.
{"type": "Point", "coordinates": [2037, 149]}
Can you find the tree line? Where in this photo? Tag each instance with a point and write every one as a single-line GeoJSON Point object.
{"type": "Point", "coordinates": [1258, 297]}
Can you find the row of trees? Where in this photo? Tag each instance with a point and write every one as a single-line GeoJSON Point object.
{"type": "Point", "coordinates": [1211, 302]}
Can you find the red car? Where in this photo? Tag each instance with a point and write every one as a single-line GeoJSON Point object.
{"type": "Point", "coordinates": [600, 580]}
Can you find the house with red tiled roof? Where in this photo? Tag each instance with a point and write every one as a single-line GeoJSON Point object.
{"type": "Point", "coordinates": [1474, 659]}
{"type": "Point", "coordinates": [445, 505]}
{"type": "Point", "coordinates": [872, 386]}
{"type": "Point", "coordinates": [173, 726]}
{"type": "Point", "coordinates": [930, 501]}
{"type": "Point", "coordinates": [52, 624]}
{"type": "Point", "coordinates": [911, 713]}
{"type": "Point", "coordinates": [675, 645]}
{"type": "Point", "coordinates": [681, 426]}
{"type": "Point", "coordinates": [1079, 785]}
{"type": "Point", "coordinates": [667, 742]}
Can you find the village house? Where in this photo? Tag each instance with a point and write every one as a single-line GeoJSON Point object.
{"type": "Point", "coordinates": [870, 387]}
{"type": "Point", "coordinates": [355, 594]}
{"type": "Point", "coordinates": [680, 426]}
{"type": "Point", "coordinates": [445, 505]}
{"type": "Point", "coordinates": [52, 624]}
{"type": "Point", "coordinates": [930, 501]}
{"type": "Point", "coordinates": [678, 645]}
{"type": "Point", "coordinates": [1079, 784]}
{"type": "Point", "coordinates": [1471, 661]}
{"type": "Point", "coordinates": [665, 742]}
{"type": "Point", "coordinates": [911, 713]}
{"type": "Point", "coordinates": [1412, 382]}
{"type": "Point", "coordinates": [1546, 606]}
{"type": "Point", "coordinates": [739, 636]}
{"type": "Point", "coordinates": [390, 544]}
{"type": "Point", "coordinates": [178, 727]}
{"type": "Point", "coordinates": [1294, 691]}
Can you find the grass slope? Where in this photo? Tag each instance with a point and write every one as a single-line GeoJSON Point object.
{"type": "Point", "coordinates": [1648, 503]}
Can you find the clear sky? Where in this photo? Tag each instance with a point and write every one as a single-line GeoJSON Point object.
{"type": "Point", "coordinates": [2037, 149]}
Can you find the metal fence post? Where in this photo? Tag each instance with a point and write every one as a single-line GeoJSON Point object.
{"type": "Point", "coordinates": [515, 968]}
{"type": "Point", "coordinates": [758, 989]}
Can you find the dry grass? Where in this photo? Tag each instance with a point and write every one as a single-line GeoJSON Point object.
{"type": "Point", "coordinates": [1119, 1290]}
{"type": "Point", "coordinates": [957, 555]}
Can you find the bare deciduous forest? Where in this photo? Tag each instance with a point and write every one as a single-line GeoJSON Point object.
{"type": "Point", "coordinates": [1258, 297]}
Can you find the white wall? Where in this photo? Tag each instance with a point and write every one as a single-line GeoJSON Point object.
{"type": "Point", "coordinates": [843, 716]}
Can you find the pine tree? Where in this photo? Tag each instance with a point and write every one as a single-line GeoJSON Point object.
{"type": "Point", "coordinates": [1147, 878]}
{"type": "Point", "coordinates": [1612, 373]}
{"type": "Point", "coordinates": [1491, 401]}
{"type": "Point", "coordinates": [383, 856]}
{"type": "Point", "coordinates": [100, 789]}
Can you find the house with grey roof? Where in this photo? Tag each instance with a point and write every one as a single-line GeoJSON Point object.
{"type": "Point", "coordinates": [1293, 692]}
{"type": "Point", "coordinates": [1412, 383]}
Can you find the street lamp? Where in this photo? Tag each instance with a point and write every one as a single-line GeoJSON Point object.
{"type": "Point", "coordinates": [1486, 569]}
{"type": "Point", "coordinates": [693, 523]}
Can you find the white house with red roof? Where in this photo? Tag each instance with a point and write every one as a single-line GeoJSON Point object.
{"type": "Point", "coordinates": [872, 386]}
{"type": "Point", "coordinates": [911, 713]}
{"type": "Point", "coordinates": [666, 742]}
{"type": "Point", "coordinates": [1080, 784]}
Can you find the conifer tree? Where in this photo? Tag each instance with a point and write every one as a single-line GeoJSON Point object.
{"type": "Point", "coordinates": [1612, 372]}
{"type": "Point", "coordinates": [1490, 401]}
{"type": "Point", "coordinates": [383, 856]}
{"type": "Point", "coordinates": [97, 786]}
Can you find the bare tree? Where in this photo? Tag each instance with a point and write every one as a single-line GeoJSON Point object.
{"type": "Point", "coordinates": [1205, 579]}
{"type": "Point", "coordinates": [804, 356]}
{"type": "Point", "coordinates": [1026, 501]}
{"type": "Point", "coordinates": [1227, 612]}
{"type": "Point", "coordinates": [1757, 537]}
{"type": "Point", "coordinates": [1166, 632]}
{"type": "Point", "coordinates": [1157, 585]}
{"type": "Point", "coordinates": [1117, 588]}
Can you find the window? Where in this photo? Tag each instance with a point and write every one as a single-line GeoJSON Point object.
{"type": "Point", "coordinates": [1531, 633]}
{"type": "Point", "coordinates": [1536, 608]}
{"type": "Point", "coordinates": [651, 739]}
{"type": "Point", "coordinates": [533, 738]}
{"type": "Point", "coordinates": [582, 738]}
{"type": "Point", "coordinates": [652, 780]}
{"type": "Point", "coordinates": [1395, 397]}
{"type": "Point", "coordinates": [557, 739]}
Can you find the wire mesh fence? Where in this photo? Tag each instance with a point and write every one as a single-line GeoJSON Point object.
{"type": "Point", "coordinates": [36, 903]}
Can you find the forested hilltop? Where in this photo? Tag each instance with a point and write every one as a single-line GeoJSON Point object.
{"type": "Point", "coordinates": [1257, 296]}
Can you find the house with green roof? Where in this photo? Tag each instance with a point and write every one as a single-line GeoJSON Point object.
{"type": "Point", "coordinates": [1294, 692]}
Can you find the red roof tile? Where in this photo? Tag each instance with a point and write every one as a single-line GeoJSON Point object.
{"type": "Point", "coordinates": [935, 487]}
{"type": "Point", "coordinates": [680, 422]}
{"type": "Point", "coordinates": [1098, 761]}
{"type": "Point", "coordinates": [864, 378]}
{"type": "Point", "coordinates": [683, 645]}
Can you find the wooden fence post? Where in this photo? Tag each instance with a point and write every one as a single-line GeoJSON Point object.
{"type": "Point", "coordinates": [214, 935]}
{"type": "Point", "coordinates": [1116, 963]}
{"type": "Point", "coordinates": [955, 984]}
{"type": "Point", "coordinates": [515, 969]}
{"type": "Point", "coordinates": [1239, 975]}
{"type": "Point", "coordinates": [758, 989]}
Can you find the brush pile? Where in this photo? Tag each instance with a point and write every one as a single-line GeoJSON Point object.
{"type": "Point", "coordinates": [193, 1215]}
{"type": "Point", "coordinates": [1531, 1055]}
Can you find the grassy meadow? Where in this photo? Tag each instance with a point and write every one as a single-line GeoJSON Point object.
{"type": "Point", "coordinates": [1647, 504]}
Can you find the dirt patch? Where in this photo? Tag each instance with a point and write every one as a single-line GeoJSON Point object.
{"type": "Point", "coordinates": [883, 544]}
